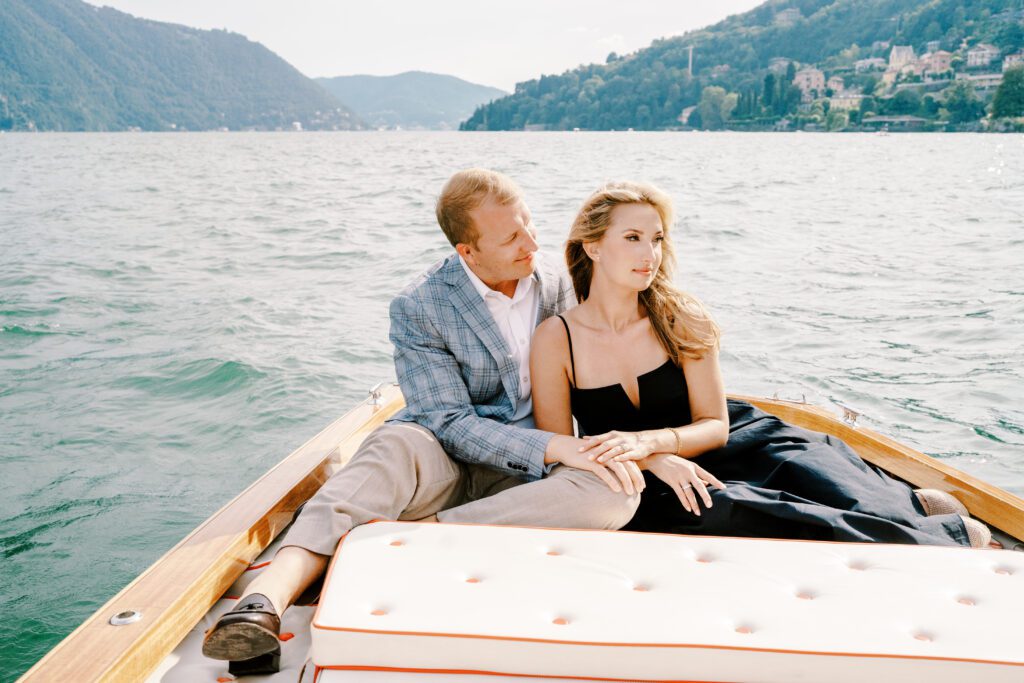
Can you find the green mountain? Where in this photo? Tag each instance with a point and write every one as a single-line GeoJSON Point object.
{"type": "Point", "coordinates": [652, 87]}
{"type": "Point", "coordinates": [68, 65]}
{"type": "Point", "coordinates": [413, 99]}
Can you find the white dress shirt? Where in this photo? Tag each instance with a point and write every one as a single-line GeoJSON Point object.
{"type": "Point", "coordinates": [516, 318]}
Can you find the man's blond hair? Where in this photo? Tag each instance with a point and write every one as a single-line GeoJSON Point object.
{"type": "Point", "coordinates": [465, 191]}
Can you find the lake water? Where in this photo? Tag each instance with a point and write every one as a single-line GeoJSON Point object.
{"type": "Point", "coordinates": [178, 312]}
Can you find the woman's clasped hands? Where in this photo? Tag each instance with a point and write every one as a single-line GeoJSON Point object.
{"type": "Point", "coordinates": [687, 479]}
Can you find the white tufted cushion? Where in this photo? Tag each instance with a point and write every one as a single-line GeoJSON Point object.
{"type": "Point", "coordinates": [619, 605]}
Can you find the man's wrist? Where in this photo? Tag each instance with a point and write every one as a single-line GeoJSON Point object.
{"type": "Point", "coordinates": [550, 456]}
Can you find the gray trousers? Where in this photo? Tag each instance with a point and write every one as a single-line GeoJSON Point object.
{"type": "Point", "coordinates": [400, 472]}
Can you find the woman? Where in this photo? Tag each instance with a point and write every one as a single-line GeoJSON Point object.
{"type": "Point", "coordinates": [636, 363]}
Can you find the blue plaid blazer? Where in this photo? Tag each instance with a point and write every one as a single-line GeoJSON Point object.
{"type": "Point", "coordinates": [455, 370]}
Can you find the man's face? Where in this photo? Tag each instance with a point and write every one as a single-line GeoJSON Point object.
{"type": "Point", "coordinates": [506, 244]}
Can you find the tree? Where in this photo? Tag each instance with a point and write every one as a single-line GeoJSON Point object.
{"type": "Point", "coordinates": [961, 102]}
{"type": "Point", "coordinates": [1010, 37]}
{"type": "Point", "coordinates": [715, 107]}
{"type": "Point", "coordinates": [769, 90]}
{"type": "Point", "coordinates": [1009, 98]}
{"type": "Point", "coordinates": [905, 102]}
{"type": "Point", "coordinates": [837, 120]}
{"type": "Point", "coordinates": [866, 82]}
{"type": "Point", "coordinates": [694, 120]}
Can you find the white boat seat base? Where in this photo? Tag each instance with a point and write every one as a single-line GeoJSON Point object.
{"type": "Point", "coordinates": [462, 599]}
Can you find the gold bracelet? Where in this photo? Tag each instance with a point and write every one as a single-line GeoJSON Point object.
{"type": "Point", "coordinates": [676, 435]}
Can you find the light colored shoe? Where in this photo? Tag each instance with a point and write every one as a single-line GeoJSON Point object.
{"type": "Point", "coordinates": [937, 502]}
{"type": "Point", "coordinates": [979, 534]}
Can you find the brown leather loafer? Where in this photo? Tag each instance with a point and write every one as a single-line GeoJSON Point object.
{"type": "Point", "coordinates": [250, 630]}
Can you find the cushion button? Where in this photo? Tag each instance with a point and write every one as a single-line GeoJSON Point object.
{"type": "Point", "coordinates": [560, 621]}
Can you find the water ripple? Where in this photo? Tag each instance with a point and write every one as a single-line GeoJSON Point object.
{"type": "Point", "coordinates": [178, 312]}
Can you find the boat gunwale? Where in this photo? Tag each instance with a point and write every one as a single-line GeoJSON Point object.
{"type": "Point", "coordinates": [180, 587]}
{"type": "Point", "coordinates": [991, 504]}
{"type": "Point", "coordinates": [171, 609]}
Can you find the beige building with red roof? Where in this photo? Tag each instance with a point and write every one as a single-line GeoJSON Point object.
{"type": "Point", "coordinates": [811, 82]}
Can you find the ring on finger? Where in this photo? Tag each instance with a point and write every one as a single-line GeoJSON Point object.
{"type": "Point", "coordinates": [688, 486]}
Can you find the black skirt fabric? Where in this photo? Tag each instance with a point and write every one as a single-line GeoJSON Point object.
{"type": "Point", "coordinates": [788, 482]}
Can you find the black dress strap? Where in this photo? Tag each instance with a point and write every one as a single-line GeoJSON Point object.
{"type": "Point", "coordinates": [572, 361]}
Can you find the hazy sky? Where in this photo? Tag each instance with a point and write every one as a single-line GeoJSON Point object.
{"type": "Point", "coordinates": [472, 40]}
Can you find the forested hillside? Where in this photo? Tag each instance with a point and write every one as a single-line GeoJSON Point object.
{"type": "Point", "coordinates": [410, 100]}
{"type": "Point", "coordinates": [68, 65]}
{"type": "Point", "coordinates": [651, 89]}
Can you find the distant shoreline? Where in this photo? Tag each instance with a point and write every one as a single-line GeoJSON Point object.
{"type": "Point", "coordinates": [1019, 129]}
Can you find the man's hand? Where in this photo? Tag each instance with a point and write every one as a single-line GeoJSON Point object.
{"type": "Point", "coordinates": [685, 477]}
{"type": "Point", "coordinates": [620, 476]}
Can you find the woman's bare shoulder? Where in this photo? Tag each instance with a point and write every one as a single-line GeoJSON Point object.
{"type": "Point", "coordinates": [550, 332]}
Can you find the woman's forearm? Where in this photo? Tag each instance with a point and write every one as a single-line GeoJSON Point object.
{"type": "Point", "coordinates": [688, 441]}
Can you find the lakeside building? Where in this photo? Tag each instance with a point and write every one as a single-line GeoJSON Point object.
{"type": "Point", "coordinates": [932, 46]}
{"type": "Point", "coordinates": [880, 45]}
{"type": "Point", "coordinates": [895, 122]}
{"type": "Point", "coordinates": [836, 84]}
{"type": "Point", "coordinates": [845, 102]}
{"type": "Point", "coordinates": [936, 85]}
{"type": "Point", "coordinates": [1013, 59]}
{"type": "Point", "coordinates": [936, 62]}
{"type": "Point", "coordinates": [982, 82]}
{"type": "Point", "coordinates": [900, 56]}
{"type": "Point", "coordinates": [811, 82]}
{"type": "Point", "coordinates": [872, 64]}
{"type": "Point", "coordinates": [981, 54]}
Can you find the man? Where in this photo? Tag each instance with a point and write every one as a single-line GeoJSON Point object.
{"type": "Point", "coordinates": [461, 334]}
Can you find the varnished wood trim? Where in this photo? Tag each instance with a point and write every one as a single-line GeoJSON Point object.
{"type": "Point", "coordinates": [179, 588]}
{"type": "Point", "coordinates": [999, 508]}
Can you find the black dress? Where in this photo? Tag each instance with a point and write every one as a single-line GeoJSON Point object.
{"type": "Point", "coordinates": [781, 481]}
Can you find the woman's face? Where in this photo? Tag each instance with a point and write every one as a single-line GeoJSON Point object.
{"type": "Point", "coordinates": [629, 253]}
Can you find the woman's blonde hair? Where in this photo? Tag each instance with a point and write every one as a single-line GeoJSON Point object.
{"type": "Point", "coordinates": [682, 324]}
